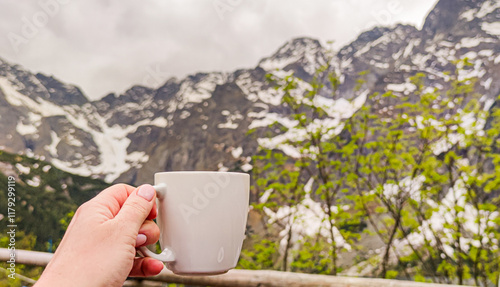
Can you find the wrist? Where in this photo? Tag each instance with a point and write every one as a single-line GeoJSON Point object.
{"type": "Point", "coordinates": [59, 275]}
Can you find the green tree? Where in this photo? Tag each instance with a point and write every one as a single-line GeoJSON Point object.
{"type": "Point", "coordinates": [307, 179]}
{"type": "Point", "coordinates": [424, 172]}
{"type": "Point", "coordinates": [23, 241]}
{"type": "Point", "coordinates": [421, 168]}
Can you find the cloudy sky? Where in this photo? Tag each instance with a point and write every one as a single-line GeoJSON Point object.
{"type": "Point", "coordinates": [109, 45]}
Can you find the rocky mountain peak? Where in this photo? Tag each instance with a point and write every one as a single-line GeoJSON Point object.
{"type": "Point", "coordinates": [374, 36]}
{"type": "Point", "coordinates": [61, 93]}
{"type": "Point", "coordinates": [40, 86]}
{"type": "Point", "coordinates": [448, 15]}
{"type": "Point", "coordinates": [296, 47]}
{"type": "Point", "coordinates": [306, 52]}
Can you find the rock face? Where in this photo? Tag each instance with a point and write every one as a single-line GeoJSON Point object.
{"type": "Point", "coordinates": [201, 122]}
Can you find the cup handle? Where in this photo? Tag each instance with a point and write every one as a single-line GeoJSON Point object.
{"type": "Point", "coordinates": [166, 255]}
{"type": "Point", "coordinates": [161, 190]}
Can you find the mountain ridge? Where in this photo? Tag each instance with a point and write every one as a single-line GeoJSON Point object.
{"type": "Point", "coordinates": [200, 121]}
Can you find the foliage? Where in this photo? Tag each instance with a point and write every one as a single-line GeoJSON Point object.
{"type": "Point", "coordinates": [23, 241]}
{"type": "Point", "coordinates": [417, 169]}
{"type": "Point", "coordinates": [259, 257]}
{"type": "Point", "coordinates": [46, 199]}
{"type": "Point", "coordinates": [312, 177]}
{"type": "Point", "coordinates": [41, 207]}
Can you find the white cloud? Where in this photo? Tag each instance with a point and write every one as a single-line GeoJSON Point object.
{"type": "Point", "coordinates": [109, 45]}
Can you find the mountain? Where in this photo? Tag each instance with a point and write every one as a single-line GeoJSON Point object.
{"type": "Point", "coordinates": [45, 195]}
{"type": "Point", "coordinates": [45, 199]}
{"type": "Point", "coordinates": [201, 122]}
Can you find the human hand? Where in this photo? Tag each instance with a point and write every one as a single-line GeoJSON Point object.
{"type": "Point", "coordinates": [99, 247]}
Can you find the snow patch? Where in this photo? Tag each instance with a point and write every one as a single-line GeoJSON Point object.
{"type": "Point", "coordinates": [407, 187]}
{"type": "Point", "coordinates": [468, 15]}
{"type": "Point", "coordinates": [346, 63]}
{"type": "Point", "coordinates": [341, 108]}
{"type": "Point", "coordinates": [230, 120]}
{"type": "Point", "coordinates": [35, 181]}
{"type": "Point", "coordinates": [411, 45]}
{"type": "Point", "coordinates": [184, 115]}
{"type": "Point", "coordinates": [486, 53]}
{"type": "Point", "coordinates": [265, 196]}
{"type": "Point", "coordinates": [255, 91]}
{"type": "Point", "coordinates": [476, 222]}
{"type": "Point", "coordinates": [23, 129]}
{"type": "Point", "coordinates": [469, 123]}
{"type": "Point", "coordinates": [307, 53]}
{"type": "Point", "coordinates": [137, 158]}
{"type": "Point", "coordinates": [112, 143]}
{"type": "Point", "coordinates": [160, 122]}
{"type": "Point", "coordinates": [31, 128]}
{"type": "Point", "coordinates": [491, 28]}
{"type": "Point", "coordinates": [71, 140]}
{"type": "Point", "coordinates": [476, 72]}
{"type": "Point", "coordinates": [405, 87]}
{"type": "Point", "coordinates": [421, 60]}
{"type": "Point", "coordinates": [487, 8]}
{"type": "Point", "coordinates": [55, 140]}
{"type": "Point", "coordinates": [221, 167]}
{"type": "Point", "coordinates": [246, 167]}
{"type": "Point", "coordinates": [40, 106]}
{"type": "Point", "coordinates": [270, 118]}
{"type": "Point", "coordinates": [470, 55]}
{"type": "Point", "coordinates": [470, 42]}
{"type": "Point", "coordinates": [308, 218]}
{"type": "Point", "coordinates": [82, 170]}
{"type": "Point", "coordinates": [190, 92]}
{"type": "Point", "coordinates": [329, 127]}
{"type": "Point", "coordinates": [228, 125]}
{"type": "Point", "coordinates": [23, 169]}
{"type": "Point", "coordinates": [379, 65]}
{"type": "Point", "coordinates": [236, 153]}
{"type": "Point", "coordinates": [487, 83]}
{"type": "Point", "coordinates": [384, 40]}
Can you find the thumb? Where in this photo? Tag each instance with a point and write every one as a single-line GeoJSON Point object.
{"type": "Point", "coordinates": [137, 207]}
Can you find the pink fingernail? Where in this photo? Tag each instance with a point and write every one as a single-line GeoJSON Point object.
{"type": "Point", "coordinates": [146, 191]}
{"type": "Point", "coordinates": [141, 239]}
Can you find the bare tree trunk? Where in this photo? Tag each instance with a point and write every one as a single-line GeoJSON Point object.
{"type": "Point", "coordinates": [460, 261]}
{"type": "Point", "coordinates": [334, 243]}
{"type": "Point", "coordinates": [288, 245]}
{"type": "Point", "coordinates": [385, 261]}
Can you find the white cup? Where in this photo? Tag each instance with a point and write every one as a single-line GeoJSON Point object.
{"type": "Point", "coordinates": [202, 219]}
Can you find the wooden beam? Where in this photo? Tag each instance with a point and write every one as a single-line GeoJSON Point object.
{"type": "Point", "coordinates": [268, 278]}
{"type": "Point", "coordinates": [27, 257]}
{"type": "Point", "coordinates": [243, 278]}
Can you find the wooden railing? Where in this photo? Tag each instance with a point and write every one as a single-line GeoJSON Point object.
{"type": "Point", "coordinates": [237, 277]}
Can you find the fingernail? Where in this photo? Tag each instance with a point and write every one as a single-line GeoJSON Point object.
{"type": "Point", "coordinates": [147, 192]}
{"type": "Point", "coordinates": [141, 239]}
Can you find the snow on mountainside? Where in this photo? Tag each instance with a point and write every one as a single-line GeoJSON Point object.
{"type": "Point", "coordinates": [306, 55]}
{"type": "Point", "coordinates": [200, 122]}
{"type": "Point", "coordinates": [72, 135]}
